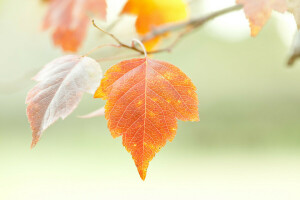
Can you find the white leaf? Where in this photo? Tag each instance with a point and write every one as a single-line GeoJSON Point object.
{"type": "Point", "coordinates": [96, 113]}
{"type": "Point", "coordinates": [294, 8]}
{"type": "Point", "coordinates": [60, 87]}
{"type": "Point", "coordinates": [295, 52]}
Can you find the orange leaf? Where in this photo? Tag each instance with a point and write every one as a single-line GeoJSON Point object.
{"type": "Point", "coordinates": [151, 13]}
{"type": "Point", "coordinates": [144, 99]}
{"type": "Point", "coordinates": [259, 11]}
{"type": "Point", "coordinates": [69, 20]}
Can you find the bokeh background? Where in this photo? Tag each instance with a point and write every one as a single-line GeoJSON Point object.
{"type": "Point", "coordinates": [246, 146]}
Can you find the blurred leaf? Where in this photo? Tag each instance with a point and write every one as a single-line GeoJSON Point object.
{"type": "Point", "coordinates": [69, 20]}
{"type": "Point", "coordinates": [152, 13]}
{"type": "Point", "coordinates": [259, 11]}
{"type": "Point", "coordinates": [294, 7]}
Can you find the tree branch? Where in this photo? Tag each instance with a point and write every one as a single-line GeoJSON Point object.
{"type": "Point", "coordinates": [188, 26]}
{"type": "Point", "coordinates": [193, 23]}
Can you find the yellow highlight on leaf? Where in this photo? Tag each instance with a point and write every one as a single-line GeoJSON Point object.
{"type": "Point", "coordinates": [153, 13]}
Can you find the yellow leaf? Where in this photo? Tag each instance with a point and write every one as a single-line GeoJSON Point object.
{"type": "Point", "coordinates": [153, 13]}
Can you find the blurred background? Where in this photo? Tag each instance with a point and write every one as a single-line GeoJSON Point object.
{"type": "Point", "coordinates": [246, 146]}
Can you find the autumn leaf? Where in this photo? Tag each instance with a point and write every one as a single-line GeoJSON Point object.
{"type": "Point", "coordinates": [152, 13]}
{"type": "Point", "coordinates": [69, 20]}
{"type": "Point", "coordinates": [144, 99]}
{"type": "Point", "coordinates": [259, 11]}
{"type": "Point", "coordinates": [60, 87]}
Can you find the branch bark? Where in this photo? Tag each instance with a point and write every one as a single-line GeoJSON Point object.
{"type": "Point", "coordinates": [193, 23]}
{"type": "Point", "coordinates": [189, 26]}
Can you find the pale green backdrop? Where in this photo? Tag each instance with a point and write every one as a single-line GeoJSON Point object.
{"type": "Point", "coordinates": [246, 146]}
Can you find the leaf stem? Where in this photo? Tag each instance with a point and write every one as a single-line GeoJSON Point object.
{"type": "Point", "coordinates": [141, 44]}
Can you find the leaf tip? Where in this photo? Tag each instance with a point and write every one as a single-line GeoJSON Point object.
{"type": "Point", "coordinates": [255, 29]}
{"type": "Point", "coordinates": [99, 94]}
{"type": "Point", "coordinates": [34, 142]}
{"type": "Point", "coordinates": [142, 173]}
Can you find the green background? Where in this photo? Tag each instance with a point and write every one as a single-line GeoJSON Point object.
{"type": "Point", "coordinates": [246, 146]}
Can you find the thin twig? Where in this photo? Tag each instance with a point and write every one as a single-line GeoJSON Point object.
{"type": "Point", "coordinates": [176, 41]}
{"type": "Point", "coordinates": [189, 26]}
{"type": "Point", "coordinates": [117, 40]}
